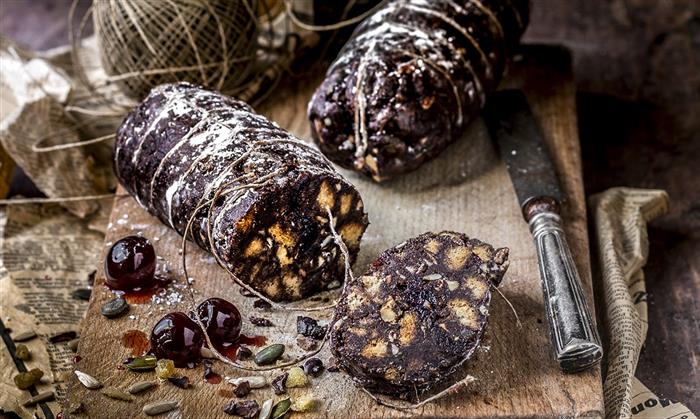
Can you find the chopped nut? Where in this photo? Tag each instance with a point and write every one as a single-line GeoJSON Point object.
{"type": "Point", "coordinates": [387, 312]}
{"type": "Point", "coordinates": [22, 352]}
{"type": "Point", "coordinates": [325, 198]}
{"type": "Point", "coordinates": [296, 378]}
{"type": "Point", "coordinates": [464, 312]}
{"type": "Point", "coordinates": [24, 380]}
{"type": "Point", "coordinates": [304, 403]}
{"type": "Point", "coordinates": [457, 257]}
{"type": "Point", "coordinates": [375, 348]}
{"type": "Point", "coordinates": [165, 368]}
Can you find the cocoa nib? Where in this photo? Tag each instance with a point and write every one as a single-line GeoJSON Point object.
{"type": "Point", "coordinates": [242, 389]}
{"type": "Point", "coordinates": [182, 382]}
{"type": "Point", "coordinates": [306, 326]}
{"type": "Point", "coordinates": [279, 384]}
{"type": "Point", "coordinates": [244, 353]}
{"type": "Point", "coordinates": [313, 367]}
{"type": "Point", "coordinates": [262, 304]}
{"type": "Point", "coordinates": [245, 409]}
{"type": "Point", "coordinates": [260, 321]}
{"type": "Point", "coordinates": [244, 292]}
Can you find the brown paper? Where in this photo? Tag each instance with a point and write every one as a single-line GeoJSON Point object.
{"type": "Point", "coordinates": [34, 94]}
{"type": "Point", "coordinates": [621, 216]}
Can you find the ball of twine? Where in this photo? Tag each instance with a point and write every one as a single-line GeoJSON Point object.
{"type": "Point", "coordinates": [146, 43]}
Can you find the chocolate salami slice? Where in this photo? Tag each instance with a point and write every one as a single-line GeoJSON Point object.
{"type": "Point", "coordinates": [411, 77]}
{"type": "Point", "coordinates": [253, 194]}
{"type": "Point", "coordinates": [417, 314]}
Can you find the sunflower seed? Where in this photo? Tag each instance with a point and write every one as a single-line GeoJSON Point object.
{"type": "Point", "coordinates": [255, 381]}
{"type": "Point", "coordinates": [39, 398]}
{"type": "Point", "coordinates": [88, 380]}
{"type": "Point", "coordinates": [24, 336]}
{"type": "Point", "coordinates": [266, 409]}
{"type": "Point", "coordinates": [269, 354]}
{"type": "Point", "coordinates": [152, 409]}
{"type": "Point", "coordinates": [207, 353]}
{"type": "Point", "coordinates": [114, 308]}
{"type": "Point", "coordinates": [141, 386]}
{"type": "Point", "coordinates": [118, 394]}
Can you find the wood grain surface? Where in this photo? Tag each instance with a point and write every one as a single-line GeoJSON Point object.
{"type": "Point", "coordinates": [466, 189]}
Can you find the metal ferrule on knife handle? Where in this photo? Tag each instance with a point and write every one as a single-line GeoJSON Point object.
{"type": "Point", "coordinates": [575, 339]}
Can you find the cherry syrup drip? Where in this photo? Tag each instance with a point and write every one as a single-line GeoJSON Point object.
{"type": "Point", "coordinates": [137, 341]}
{"type": "Point", "coordinates": [230, 350]}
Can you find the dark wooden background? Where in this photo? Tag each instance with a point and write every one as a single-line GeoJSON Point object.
{"type": "Point", "coordinates": [637, 64]}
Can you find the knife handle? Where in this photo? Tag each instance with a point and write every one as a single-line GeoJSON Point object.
{"type": "Point", "coordinates": [575, 339]}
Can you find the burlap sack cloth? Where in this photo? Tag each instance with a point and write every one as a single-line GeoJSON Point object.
{"type": "Point", "coordinates": [46, 251]}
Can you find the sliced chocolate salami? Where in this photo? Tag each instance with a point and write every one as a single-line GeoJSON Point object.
{"type": "Point", "coordinates": [252, 194]}
{"type": "Point", "coordinates": [409, 80]}
{"type": "Point", "coordinates": [417, 314]}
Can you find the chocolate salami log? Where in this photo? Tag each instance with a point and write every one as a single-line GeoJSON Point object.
{"type": "Point", "coordinates": [411, 77]}
{"type": "Point", "coordinates": [184, 145]}
{"type": "Point", "coordinates": [417, 314]}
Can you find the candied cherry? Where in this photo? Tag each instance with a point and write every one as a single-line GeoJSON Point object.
{"type": "Point", "coordinates": [178, 338]}
{"type": "Point", "coordinates": [221, 319]}
{"type": "Point", "coordinates": [130, 264]}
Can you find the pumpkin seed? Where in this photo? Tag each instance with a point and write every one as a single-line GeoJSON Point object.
{"type": "Point", "coordinates": [266, 409]}
{"type": "Point", "coordinates": [152, 409]}
{"type": "Point", "coordinates": [40, 398]}
{"type": "Point", "coordinates": [118, 394]}
{"type": "Point", "coordinates": [142, 363]}
{"type": "Point", "coordinates": [281, 409]}
{"type": "Point", "coordinates": [269, 354]}
{"type": "Point", "coordinates": [141, 386]}
{"type": "Point", "coordinates": [255, 381]}
{"type": "Point", "coordinates": [114, 308]}
{"type": "Point", "coordinates": [22, 352]}
{"type": "Point", "coordinates": [24, 336]}
{"type": "Point", "coordinates": [88, 380]}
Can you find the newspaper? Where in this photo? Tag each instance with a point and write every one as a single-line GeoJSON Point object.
{"type": "Point", "coordinates": [620, 216]}
{"type": "Point", "coordinates": [47, 253]}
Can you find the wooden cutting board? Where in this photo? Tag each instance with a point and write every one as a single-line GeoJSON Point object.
{"type": "Point", "coordinates": [466, 189]}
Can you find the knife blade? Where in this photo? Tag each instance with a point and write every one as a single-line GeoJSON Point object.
{"type": "Point", "coordinates": [522, 147]}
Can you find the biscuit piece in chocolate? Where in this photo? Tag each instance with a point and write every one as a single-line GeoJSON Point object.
{"type": "Point", "coordinates": [256, 196]}
{"type": "Point", "coordinates": [417, 314]}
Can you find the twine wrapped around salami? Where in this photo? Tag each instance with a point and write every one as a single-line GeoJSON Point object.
{"type": "Point", "coordinates": [242, 188]}
{"type": "Point", "coordinates": [411, 77]}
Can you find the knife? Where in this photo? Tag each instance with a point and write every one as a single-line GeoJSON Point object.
{"type": "Point", "coordinates": [522, 147]}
